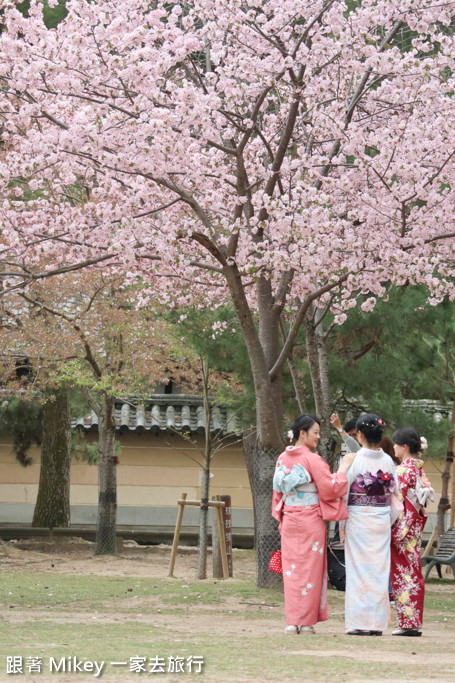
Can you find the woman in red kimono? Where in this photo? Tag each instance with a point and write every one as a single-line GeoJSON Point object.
{"type": "Point", "coordinates": [406, 569]}
{"type": "Point", "coordinates": [305, 493]}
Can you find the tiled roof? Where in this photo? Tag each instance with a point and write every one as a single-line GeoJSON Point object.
{"type": "Point", "coordinates": [166, 412]}
{"type": "Point", "coordinates": [436, 408]}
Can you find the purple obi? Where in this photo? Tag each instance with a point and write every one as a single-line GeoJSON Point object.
{"type": "Point", "coordinates": [371, 490]}
{"type": "Point", "coordinates": [371, 501]}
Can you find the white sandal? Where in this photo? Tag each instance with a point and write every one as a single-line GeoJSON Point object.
{"type": "Point", "coordinates": [307, 629]}
{"type": "Point", "coordinates": [291, 630]}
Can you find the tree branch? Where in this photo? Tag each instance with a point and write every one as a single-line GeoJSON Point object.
{"type": "Point", "coordinates": [355, 99]}
{"type": "Point", "coordinates": [289, 343]}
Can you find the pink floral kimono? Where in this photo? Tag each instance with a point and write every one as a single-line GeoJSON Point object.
{"type": "Point", "coordinates": [406, 569]}
{"type": "Point", "coordinates": [305, 493]}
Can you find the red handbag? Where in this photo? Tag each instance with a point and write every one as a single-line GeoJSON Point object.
{"type": "Point", "coordinates": [275, 565]}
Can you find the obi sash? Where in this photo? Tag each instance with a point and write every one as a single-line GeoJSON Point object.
{"type": "Point", "coordinates": [358, 496]}
{"type": "Point", "coordinates": [372, 501]}
{"type": "Point", "coordinates": [305, 494]}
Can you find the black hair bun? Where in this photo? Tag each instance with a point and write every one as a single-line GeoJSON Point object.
{"type": "Point", "coordinates": [371, 427]}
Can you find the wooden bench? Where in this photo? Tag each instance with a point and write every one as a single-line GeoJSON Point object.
{"type": "Point", "coordinates": [445, 554]}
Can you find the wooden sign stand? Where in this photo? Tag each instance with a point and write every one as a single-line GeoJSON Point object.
{"type": "Point", "coordinates": [217, 504]}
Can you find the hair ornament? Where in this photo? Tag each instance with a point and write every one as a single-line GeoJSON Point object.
{"type": "Point", "coordinates": [379, 422]}
{"type": "Point", "coordinates": [423, 443]}
{"type": "Point", "coordinates": [290, 435]}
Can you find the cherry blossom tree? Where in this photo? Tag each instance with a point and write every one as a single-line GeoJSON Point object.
{"type": "Point", "coordinates": [285, 155]}
{"type": "Point", "coordinates": [86, 332]}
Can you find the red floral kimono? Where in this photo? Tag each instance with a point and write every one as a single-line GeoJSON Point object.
{"type": "Point", "coordinates": [406, 569]}
{"type": "Point", "coordinates": [305, 493]}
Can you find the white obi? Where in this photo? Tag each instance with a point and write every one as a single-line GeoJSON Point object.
{"type": "Point", "coordinates": [302, 495]}
{"type": "Point", "coordinates": [420, 496]}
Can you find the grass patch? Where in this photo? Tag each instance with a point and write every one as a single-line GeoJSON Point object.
{"type": "Point", "coordinates": [79, 593]}
{"type": "Point", "coordinates": [113, 643]}
{"type": "Point", "coordinates": [236, 628]}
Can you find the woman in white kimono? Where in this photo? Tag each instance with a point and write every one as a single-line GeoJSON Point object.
{"type": "Point", "coordinates": [373, 506]}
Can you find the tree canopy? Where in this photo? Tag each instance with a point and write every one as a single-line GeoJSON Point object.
{"type": "Point", "coordinates": [277, 154]}
{"type": "Point", "coordinates": [280, 155]}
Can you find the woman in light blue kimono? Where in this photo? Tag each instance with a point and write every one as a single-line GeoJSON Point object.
{"type": "Point", "coordinates": [373, 506]}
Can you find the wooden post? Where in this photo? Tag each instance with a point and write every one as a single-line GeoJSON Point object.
{"type": "Point", "coordinates": [175, 542]}
{"type": "Point", "coordinates": [216, 549]}
{"type": "Point", "coordinates": [217, 569]}
{"type": "Point", "coordinates": [227, 524]}
{"type": "Point", "coordinates": [452, 499]}
{"type": "Point", "coordinates": [217, 504]}
{"type": "Point", "coordinates": [224, 563]}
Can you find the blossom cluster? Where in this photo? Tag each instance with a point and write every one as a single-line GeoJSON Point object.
{"type": "Point", "coordinates": [310, 144]}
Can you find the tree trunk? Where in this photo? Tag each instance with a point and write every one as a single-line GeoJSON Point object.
{"type": "Point", "coordinates": [313, 362]}
{"type": "Point", "coordinates": [261, 460]}
{"type": "Point", "coordinates": [105, 543]}
{"type": "Point", "coordinates": [317, 363]}
{"type": "Point", "coordinates": [268, 537]}
{"type": "Point", "coordinates": [269, 443]}
{"type": "Point", "coordinates": [263, 346]}
{"type": "Point", "coordinates": [297, 384]}
{"type": "Point", "coordinates": [444, 504]}
{"type": "Point", "coordinates": [261, 467]}
{"type": "Point", "coordinates": [326, 443]}
{"type": "Point", "coordinates": [201, 572]}
{"type": "Point", "coordinates": [52, 507]}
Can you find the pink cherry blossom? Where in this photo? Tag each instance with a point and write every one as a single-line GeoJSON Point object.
{"type": "Point", "coordinates": [268, 153]}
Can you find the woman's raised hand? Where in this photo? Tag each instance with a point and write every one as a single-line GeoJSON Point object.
{"type": "Point", "coordinates": [335, 420]}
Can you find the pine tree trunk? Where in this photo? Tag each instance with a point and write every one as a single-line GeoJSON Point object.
{"type": "Point", "coordinates": [297, 384]}
{"type": "Point", "coordinates": [317, 363]}
{"type": "Point", "coordinates": [326, 446]}
{"type": "Point", "coordinates": [313, 362]}
{"type": "Point", "coordinates": [52, 507]}
{"type": "Point", "coordinates": [107, 479]}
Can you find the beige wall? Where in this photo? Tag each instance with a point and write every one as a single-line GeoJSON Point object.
{"type": "Point", "coordinates": [433, 470]}
{"type": "Point", "coordinates": [153, 471]}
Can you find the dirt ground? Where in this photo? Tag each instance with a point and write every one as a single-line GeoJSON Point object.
{"type": "Point", "coordinates": [75, 557]}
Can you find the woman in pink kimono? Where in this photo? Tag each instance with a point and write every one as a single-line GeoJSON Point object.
{"type": "Point", "coordinates": [305, 493]}
{"type": "Point", "coordinates": [406, 569]}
